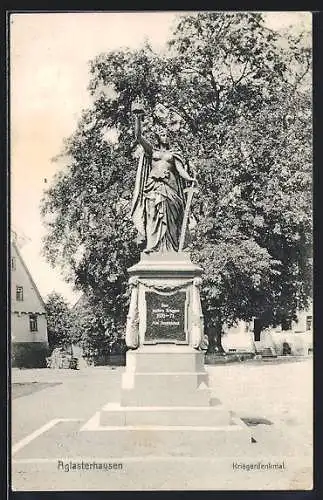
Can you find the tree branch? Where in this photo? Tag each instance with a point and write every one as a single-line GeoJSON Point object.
{"type": "Point", "coordinates": [184, 115]}
{"type": "Point", "coordinates": [243, 74]}
{"type": "Point", "coordinates": [189, 119]}
{"type": "Point", "coordinates": [300, 78]}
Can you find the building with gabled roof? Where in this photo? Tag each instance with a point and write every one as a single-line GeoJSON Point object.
{"type": "Point", "coordinates": [29, 341]}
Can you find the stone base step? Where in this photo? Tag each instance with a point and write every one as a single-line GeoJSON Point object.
{"type": "Point", "coordinates": [166, 397]}
{"type": "Point", "coordinates": [160, 381]}
{"type": "Point", "coordinates": [165, 389]}
{"type": "Point", "coordinates": [161, 358]}
{"type": "Point", "coordinates": [159, 440]}
{"type": "Point", "coordinates": [114, 414]}
{"type": "Point", "coordinates": [268, 352]}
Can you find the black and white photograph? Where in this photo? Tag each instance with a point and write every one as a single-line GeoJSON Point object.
{"type": "Point", "coordinates": [161, 250]}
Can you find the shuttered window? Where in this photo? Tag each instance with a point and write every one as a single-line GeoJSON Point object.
{"type": "Point", "coordinates": [33, 326]}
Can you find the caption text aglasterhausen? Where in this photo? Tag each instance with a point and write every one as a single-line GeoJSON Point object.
{"type": "Point", "coordinates": [88, 465]}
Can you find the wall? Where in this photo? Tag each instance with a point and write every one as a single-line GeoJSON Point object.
{"type": "Point", "coordinates": [238, 338]}
{"type": "Point", "coordinates": [29, 354]}
{"type": "Point", "coordinates": [300, 324]}
{"type": "Point", "coordinates": [20, 276]}
{"type": "Point", "coordinates": [300, 343]}
{"type": "Point", "coordinates": [20, 331]}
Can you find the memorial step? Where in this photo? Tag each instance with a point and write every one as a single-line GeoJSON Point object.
{"type": "Point", "coordinates": [115, 414]}
{"type": "Point", "coordinates": [165, 358]}
{"type": "Point", "coordinates": [164, 381]}
{"type": "Point", "coordinates": [166, 396]}
{"type": "Point", "coordinates": [163, 440]}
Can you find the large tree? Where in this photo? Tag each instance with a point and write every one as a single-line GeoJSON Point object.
{"type": "Point", "coordinates": [236, 96]}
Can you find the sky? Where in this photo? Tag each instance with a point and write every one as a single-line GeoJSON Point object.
{"type": "Point", "coordinates": [49, 74]}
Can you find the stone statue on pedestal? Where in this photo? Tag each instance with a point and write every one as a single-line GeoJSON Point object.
{"type": "Point", "coordinates": [165, 306]}
{"type": "Point", "coordinates": [161, 194]}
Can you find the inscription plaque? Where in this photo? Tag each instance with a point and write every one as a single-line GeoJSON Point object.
{"type": "Point", "coordinates": [165, 317]}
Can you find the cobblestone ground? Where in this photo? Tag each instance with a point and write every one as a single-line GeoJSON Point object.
{"type": "Point", "coordinates": [275, 395]}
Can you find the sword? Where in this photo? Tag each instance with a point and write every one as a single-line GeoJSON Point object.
{"type": "Point", "coordinates": [191, 190]}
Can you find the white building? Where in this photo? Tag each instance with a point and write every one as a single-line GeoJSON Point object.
{"type": "Point", "coordinates": [298, 340]}
{"type": "Point", "coordinates": [29, 341]}
{"type": "Point", "coordinates": [238, 338]}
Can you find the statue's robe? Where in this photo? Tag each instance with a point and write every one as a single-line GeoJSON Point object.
{"type": "Point", "coordinates": [158, 204]}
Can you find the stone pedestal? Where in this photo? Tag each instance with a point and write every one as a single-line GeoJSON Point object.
{"type": "Point", "coordinates": [165, 306]}
{"type": "Point", "coordinates": [167, 407]}
{"type": "Point", "coordinates": [165, 375]}
{"type": "Point", "coordinates": [166, 400]}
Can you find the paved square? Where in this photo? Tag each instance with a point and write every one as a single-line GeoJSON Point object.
{"type": "Point", "coordinates": [275, 399]}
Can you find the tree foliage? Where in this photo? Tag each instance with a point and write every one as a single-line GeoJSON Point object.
{"type": "Point", "coordinates": [58, 320]}
{"type": "Point", "coordinates": [94, 331]}
{"type": "Point", "coordinates": [236, 97]}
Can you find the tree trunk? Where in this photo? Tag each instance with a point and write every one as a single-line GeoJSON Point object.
{"type": "Point", "coordinates": [214, 334]}
{"type": "Point", "coordinates": [219, 341]}
{"type": "Point", "coordinates": [286, 324]}
{"type": "Point", "coordinates": [212, 341]}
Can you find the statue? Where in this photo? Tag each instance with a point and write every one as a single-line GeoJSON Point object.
{"type": "Point", "coordinates": [159, 207]}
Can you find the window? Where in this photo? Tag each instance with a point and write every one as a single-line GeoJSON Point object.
{"type": "Point", "coordinates": [19, 293]}
{"type": "Point", "coordinates": [13, 263]}
{"type": "Point", "coordinates": [33, 327]}
{"type": "Point", "coordinates": [309, 320]}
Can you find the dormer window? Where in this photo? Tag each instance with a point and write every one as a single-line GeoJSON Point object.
{"type": "Point", "coordinates": [19, 293]}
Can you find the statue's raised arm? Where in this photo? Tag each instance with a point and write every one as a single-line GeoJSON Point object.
{"type": "Point", "coordinates": [138, 111]}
